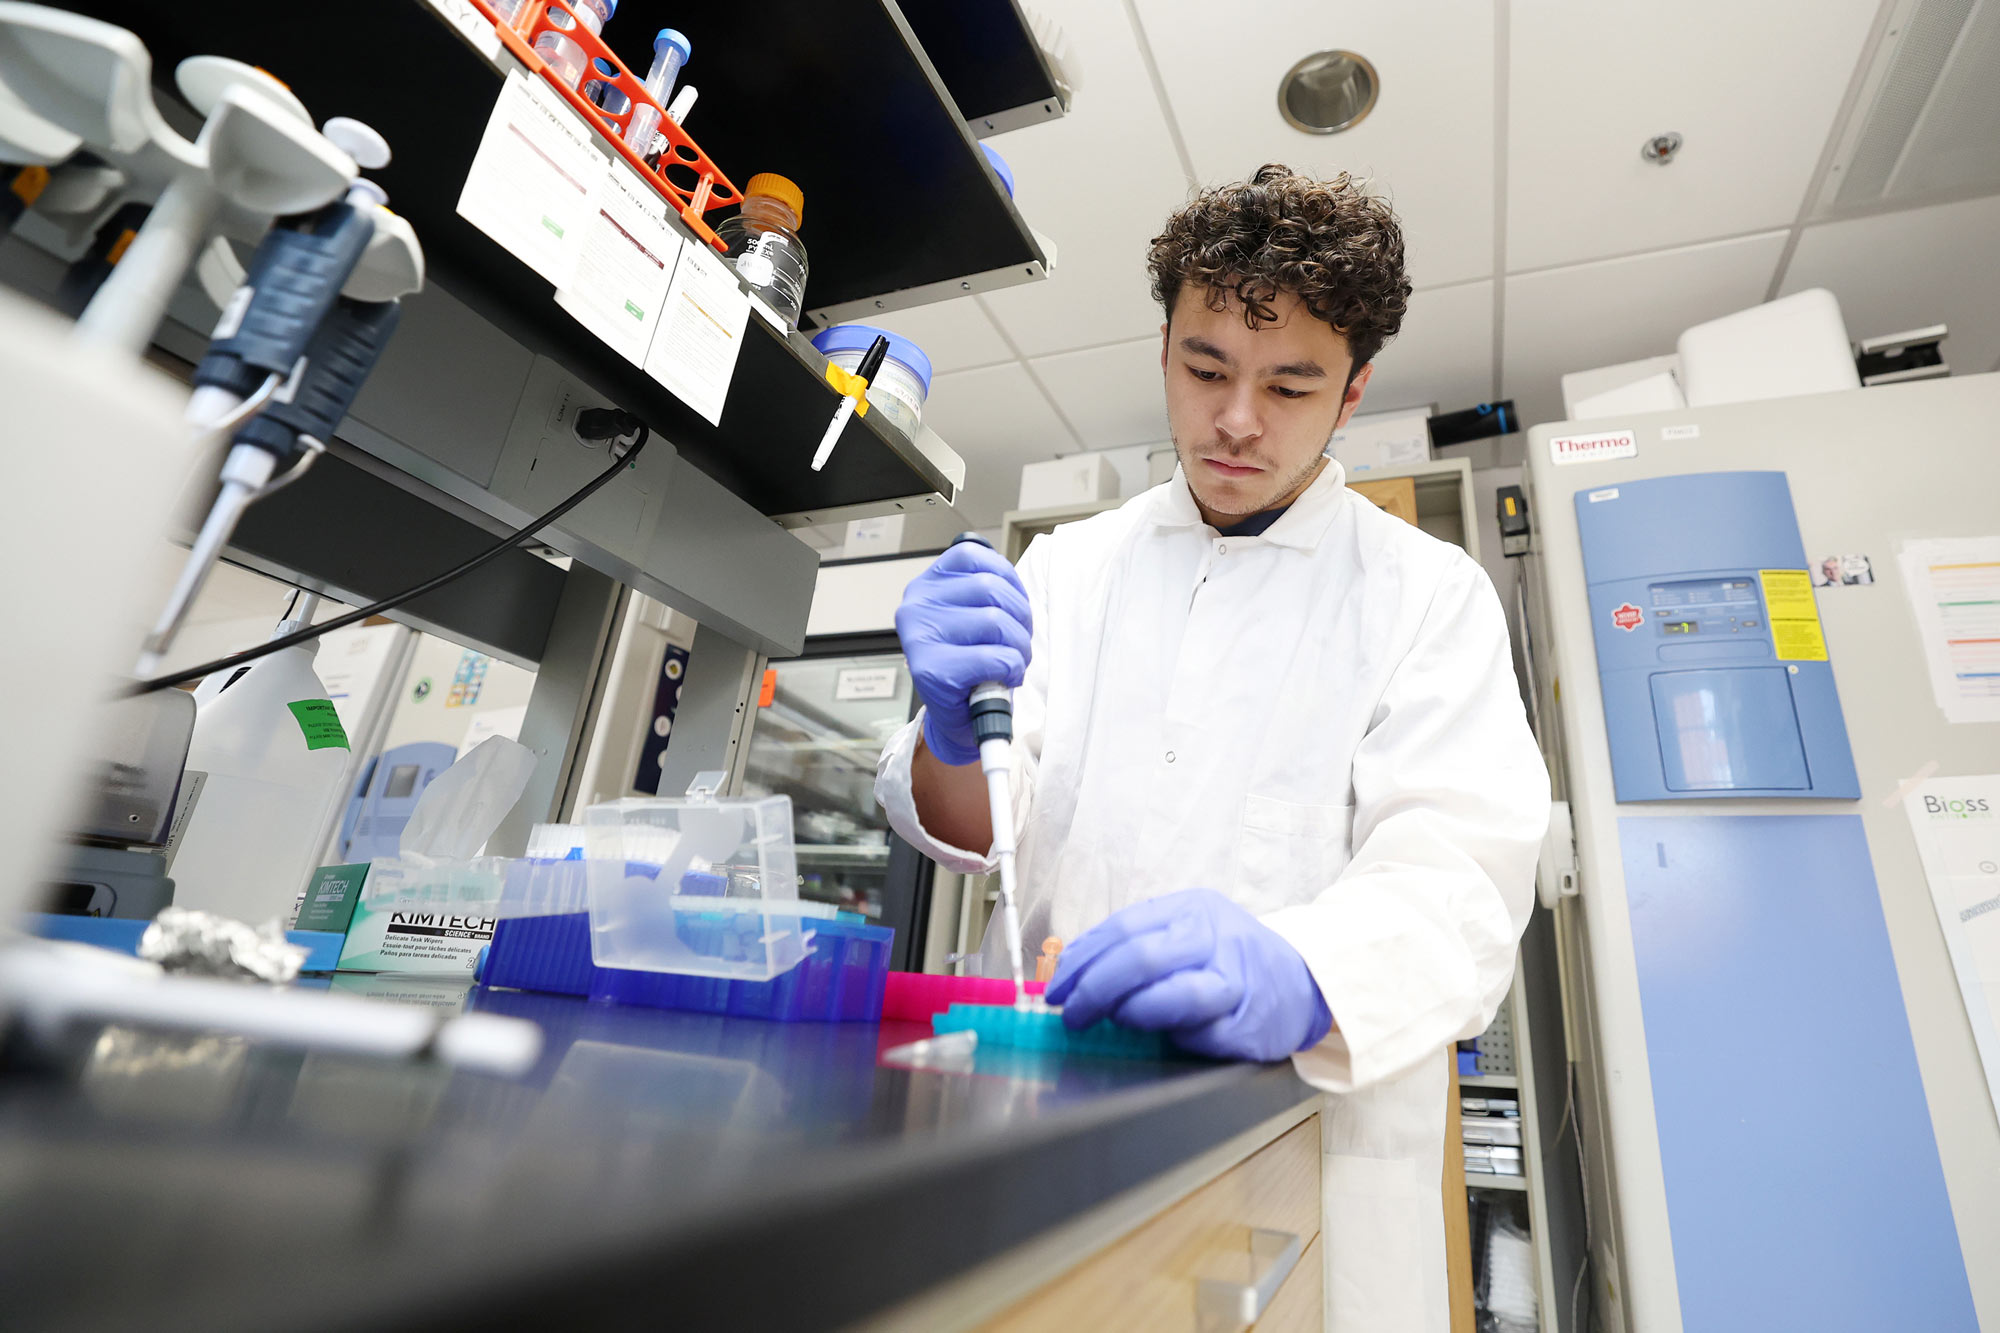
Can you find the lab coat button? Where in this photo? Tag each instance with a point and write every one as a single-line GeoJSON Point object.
{"type": "Point", "coordinates": [1170, 756]}
{"type": "Point", "coordinates": [1222, 548]}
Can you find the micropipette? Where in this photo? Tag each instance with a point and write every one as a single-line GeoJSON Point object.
{"type": "Point", "coordinates": [992, 709]}
{"type": "Point", "coordinates": [853, 386]}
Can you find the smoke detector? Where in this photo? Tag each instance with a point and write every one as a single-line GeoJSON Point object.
{"type": "Point", "coordinates": [1327, 92]}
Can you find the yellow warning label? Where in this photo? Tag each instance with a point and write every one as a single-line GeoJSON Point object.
{"type": "Point", "coordinates": [1798, 641]}
{"type": "Point", "coordinates": [1794, 615]}
{"type": "Point", "coordinates": [1788, 594]}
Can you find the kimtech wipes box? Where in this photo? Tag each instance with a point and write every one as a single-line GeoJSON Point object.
{"type": "Point", "coordinates": [420, 914]}
{"type": "Point", "coordinates": [409, 938]}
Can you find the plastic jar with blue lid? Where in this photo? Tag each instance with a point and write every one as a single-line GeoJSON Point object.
{"type": "Point", "coordinates": [900, 387]}
{"type": "Point", "coordinates": [1000, 167]}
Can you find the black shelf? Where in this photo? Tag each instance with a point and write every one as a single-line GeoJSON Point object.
{"type": "Point", "coordinates": [838, 97]}
{"type": "Point", "coordinates": [990, 62]}
{"type": "Point", "coordinates": [842, 99]}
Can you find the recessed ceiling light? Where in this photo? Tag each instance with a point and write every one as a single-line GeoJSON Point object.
{"type": "Point", "coordinates": [1327, 92]}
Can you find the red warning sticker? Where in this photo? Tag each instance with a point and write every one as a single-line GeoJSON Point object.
{"type": "Point", "coordinates": [1628, 617]}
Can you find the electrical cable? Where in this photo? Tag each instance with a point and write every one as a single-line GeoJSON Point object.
{"type": "Point", "coordinates": [621, 461]}
{"type": "Point", "coordinates": [1583, 1176]}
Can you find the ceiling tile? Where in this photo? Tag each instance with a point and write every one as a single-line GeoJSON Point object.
{"type": "Point", "coordinates": [1099, 182]}
{"type": "Point", "coordinates": [1112, 395]}
{"type": "Point", "coordinates": [1591, 315]}
{"type": "Point", "coordinates": [1752, 88]}
{"type": "Point", "coordinates": [955, 335]}
{"type": "Point", "coordinates": [1428, 144]}
{"type": "Point", "coordinates": [997, 420]}
{"type": "Point", "coordinates": [1905, 270]}
{"type": "Point", "coordinates": [1444, 355]}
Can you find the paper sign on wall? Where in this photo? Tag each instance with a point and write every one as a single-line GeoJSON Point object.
{"type": "Point", "coordinates": [1957, 826]}
{"type": "Point", "coordinates": [701, 332]}
{"type": "Point", "coordinates": [1954, 586]}
{"type": "Point", "coordinates": [1593, 448]}
{"type": "Point", "coordinates": [530, 183]}
{"type": "Point", "coordinates": [865, 683]}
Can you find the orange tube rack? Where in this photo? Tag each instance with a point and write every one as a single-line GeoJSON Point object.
{"type": "Point", "coordinates": [682, 160]}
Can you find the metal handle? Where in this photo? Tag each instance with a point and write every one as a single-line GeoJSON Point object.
{"type": "Point", "coordinates": [1225, 1307]}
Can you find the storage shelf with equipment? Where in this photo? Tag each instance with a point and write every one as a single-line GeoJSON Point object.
{"type": "Point", "coordinates": [1523, 1063]}
{"type": "Point", "coordinates": [843, 854]}
{"type": "Point", "coordinates": [1439, 491]}
{"type": "Point", "coordinates": [876, 174]}
{"type": "Point", "coordinates": [1488, 1081]}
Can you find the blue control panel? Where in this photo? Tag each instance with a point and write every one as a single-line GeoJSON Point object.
{"type": "Point", "coordinates": [1714, 671]}
{"type": "Point", "coordinates": [386, 796]}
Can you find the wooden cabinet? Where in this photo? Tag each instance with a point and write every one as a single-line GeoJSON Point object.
{"type": "Point", "coordinates": [1151, 1277]}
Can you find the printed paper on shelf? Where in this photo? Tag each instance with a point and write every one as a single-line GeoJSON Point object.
{"type": "Point", "coordinates": [530, 184]}
{"type": "Point", "coordinates": [1954, 586]}
{"type": "Point", "coordinates": [1593, 448]}
{"type": "Point", "coordinates": [701, 332]}
{"type": "Point", "coordinates": [629, 252]}
{"type": "Point", "coordinates": [1957, 826]}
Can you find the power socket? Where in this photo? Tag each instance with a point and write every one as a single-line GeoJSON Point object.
{"type": "Point", "coordinates": [545, 460]}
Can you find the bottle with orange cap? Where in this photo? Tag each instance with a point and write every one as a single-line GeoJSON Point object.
{"type": "Point", "coordinates": [764, 245]}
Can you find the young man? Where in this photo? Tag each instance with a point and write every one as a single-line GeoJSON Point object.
{"type": "Point", "coordinates": [1273, 782]}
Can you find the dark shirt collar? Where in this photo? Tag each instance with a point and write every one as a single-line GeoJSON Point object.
{"type": "Point", "coordinates": [1254, 525]}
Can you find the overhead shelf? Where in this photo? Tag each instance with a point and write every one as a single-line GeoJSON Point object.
{"type": "Point", "coordinates": [840, 98]}
{"type": "Point", "coordinates": [901, 207]}
{"type": "Point", "coordinates": [987, 55]}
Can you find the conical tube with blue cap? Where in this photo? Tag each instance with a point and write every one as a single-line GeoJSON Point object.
{"type": "Point", "coordinates": [670, 52]}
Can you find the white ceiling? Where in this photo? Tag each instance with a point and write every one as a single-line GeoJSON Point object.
{"type": "Point", "coordinates": [1508, 136]}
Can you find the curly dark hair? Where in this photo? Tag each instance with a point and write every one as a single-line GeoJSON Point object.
{"type": "Point", "coordinates": [1331, 243]}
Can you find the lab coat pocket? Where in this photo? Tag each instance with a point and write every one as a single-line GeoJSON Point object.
{"type": "Point", "coordinates": [1288, 852]}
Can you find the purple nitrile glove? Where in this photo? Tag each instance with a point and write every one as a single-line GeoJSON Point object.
{"type": "Point", "coordinates": [1198, 967]}
{"type": "Point", "coordinates": [964, 621]}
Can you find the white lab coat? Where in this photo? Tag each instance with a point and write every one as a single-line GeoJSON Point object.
{"type": "Point", "coordinates": [1322, 723]}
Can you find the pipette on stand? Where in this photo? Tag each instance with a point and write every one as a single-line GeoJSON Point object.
{"type": "Point", "coordinates": [853, 386]}
{"type": "Point", "coordinates": [993, 726]}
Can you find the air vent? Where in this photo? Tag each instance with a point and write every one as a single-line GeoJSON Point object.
{"type": "Point", "coordinates": [1928, 123]}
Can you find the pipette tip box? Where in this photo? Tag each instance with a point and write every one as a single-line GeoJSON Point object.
{"type": "Point", "coordinates": [917, 997]}
{"type": "Point", "coordinates": [840, 980]}
{"type": "Point", "coordinates": [1041, 1029]}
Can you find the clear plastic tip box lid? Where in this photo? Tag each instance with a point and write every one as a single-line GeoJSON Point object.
{"type": "Point", "coordinates": [703, 886]}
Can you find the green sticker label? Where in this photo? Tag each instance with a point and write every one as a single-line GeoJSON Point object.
{"type": "Point", "coordinates": [321, 724]}
{"type": "Point", "coordinates": [634, 311]}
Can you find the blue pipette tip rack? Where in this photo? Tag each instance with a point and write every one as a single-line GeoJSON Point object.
{"type": "Point", "coordinates": [1041, 1029]}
